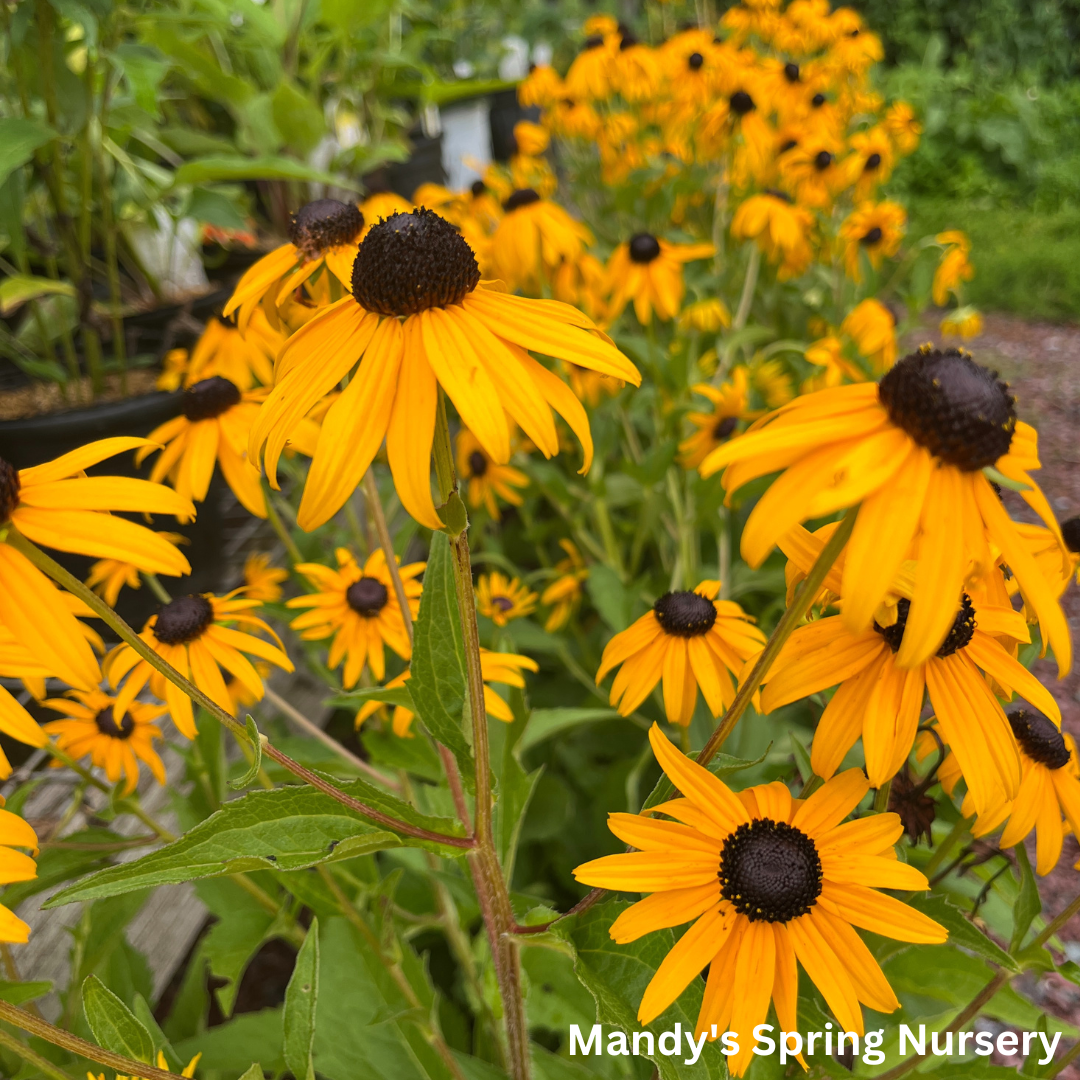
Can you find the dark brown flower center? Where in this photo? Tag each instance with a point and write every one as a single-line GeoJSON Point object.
{"type": "Point", "coordinates": [872, 162]}
{"type": "Point", "coordinates": [1039, 737]}
{"type": "Point", "coordinates": [183, 619]}
{"type": "Point", "coordinates": [817, 100]}
{"type": "Point", "coordinates": [644, 247]}
{"type": "Point", "coordinates": [770, 871]}
{"type": "Point", "coordinates": [694, 61]}
{"type": "Point", "coordinates": [916, 810]}
{"type": "Point", "coordinates": [411, 262]}
{"type": "Point", "coordinates": [685, 614]}
{"type": "Point", "coordinates": [741, 103]}
{"type": "Point", "coordinates": [323, 224]}
{"type": "Point", "coordinates": [822, 160]}
{"type": "Point", "coordinates": [724, 427]}
{"type": "Point", "coordinates": [478, 188]}
{"type": "Point", "coordinates": [791, 72]}
{"type": "Point", "coordinates": [872, 237]}
{"type": "Point", "coordinates": [525, 196]}
{"type": "Point", "coordinates": [958, 410]}
{"type": "Point", "coordinates": [210, 397]}
{"type": "Point", "coordinates": [503, 603]}
{"type": "Point", "coordinates": [9, 490]}
{"type": "Point", "coordinates": [107, 725]}
{"type": "Point", "coordinates": [477, 463]}
{"type": "Point", "coordinates": [367, 597]}
{"type": "Point", "coordinates": [788, 144]}
{"type": "Point", "coordinates": [958, 636]}
{"type": "Point", "coordinates": [593, 41]}
{"type": "Point", "coordinates": [1070, 531]}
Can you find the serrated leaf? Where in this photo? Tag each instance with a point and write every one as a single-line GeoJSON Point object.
{"type": "Point", "coordinates": [961, 931]}
{"type": "Point", "coordinates": [220, 167]}
{"type": "Point", "coordinates": [1028, 904]}
{"type": "Point", "coordinates": [616, 976]}
{"type": "Point", "coordinates": [438, 681]}
{"type": "Point", "coordinates": [113, 1024]}
{"type": "Point", "coordinates": [19, 139]}
{"type": "Point", "coordinates": [255, 741]}
{"type": "Point", "coordinates": [543, 723]}
{"type": "Point", "coordinates": [301, 998]}
{"type": "Point", "coordinates": [290, 828]}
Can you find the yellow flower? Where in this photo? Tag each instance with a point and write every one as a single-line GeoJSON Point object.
{"type": "Point", "coordinates": [322, 237]}
{"type": "Point", "coordinates": [730, 405]}
{"type": "Point", "coordinates": [902, 125]}
{"type": "Point", "coordinates": [691, 639]}
{"type": "Point", "coordinates": [108, 576]}
{"type": "Point", "coordinates": [533, 238]}
{"type": "Point", "coordinates": [707, 316]}
{"type": "Point", "coordinates": [877, 229]}
{"type": "Point", "coordinates": [485, 478]}
{"type": "Point", "coordinates": [56, 505]}
{"type": "Point", "coordinates": [954, 267]}
{"type": "Point", "coordinates": [530, 139]}
{"type": "Point", "coordinates": [193, 633]}
{"type": "Point", "coordinates": [117, 746]}
{"type": "Point", "coordinates": [772, 381]}
{"type": "Point", "coordinates": [872, 327]}
{"type": "Point", "coordinates": [813, 171]}
{"type": "Point", "coordinates": [243, 358]}
{"type": "Point", "coordinates": [495, 667]}
{"type": "Point", "coordinates": [648, 271]}
{"type": "Point", "coordinates": [770, 882]}
{"type": "Point", "coordinates": [964, 322]}
{"type": "Point", "coordinates": [871, 160]}
{"type": "Point", "coordinates": [911, 451]}
{"type": "Point", "coordinates": [564, 594]}
{"type": "Point", "coordinates": [501, 599]}
{"type": "Point", "coordinates": [262, 581]}
{"type": "Point", "coordinates": [780, 228]}
{"type": "Point", "coordinates": [589, 76]}
{"type": "Point", "coordinates": [189, 1069]}
{"type": "Point", "coordinates": [421, 318]}
{"type": "Point", "coordinates": [15, 866]}
{"type": "Point", "coordinates": [542, 87]}
{"type": "Point", "coordinates": [357, 606]}
{"type": "Point", "coordinates": [828, 353]}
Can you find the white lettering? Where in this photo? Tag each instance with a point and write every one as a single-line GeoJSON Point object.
{"type": "Point", "coordinates": [695, 1047]}
{"type": "Point", "coordinates": [650, 1044]}
{"type": "Point", "coordinates": [1007, 1042]}
{"type": "Point", "coordinates": [763, 1040]}
{"type": "Point", "coordinates": [948, 1044]}
{"type": "Point", "coordinates": [906, 1035]}
{"type": "Point", "coordinates": [576, 1041]}
{"type": "Point", "coordinates": [1049, 1047]}
{"type": "Point", "coordinates": [984, 1044]}
{"type": "Point", "coordinates": [616, 1044]}
{"type": "Point", "coordinates": [673, 1038]}
{"type": "Point", "coordinates": [786, 1050]}
{"type": "Point", "coordinates": [873, 1056]}
{"type": "Point", "coordinates": [729, 1043]}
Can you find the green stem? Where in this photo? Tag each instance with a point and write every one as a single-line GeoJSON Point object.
{"type": "Point", "coordinates": [278, 525]}
{"type": "Point", "coordinates": [791, 618]}
{"type": "Point", "coordinates": [491, 886]}
{"type": "Point", "coordinates": [881, 797]}
{"type": "Point", "coordinates": [742, 313]}
{"type": "Point", "coordinates": [1055, 924]}
{"type": "Point", "coordinates": [49, 566]}
{"type": "Point", "coordinates": [156, 587]}
{"type": "Point", "coordinates": [1066, 1059]}
{"type": "Point", "coordinates": [34, 1025]}
{"type": "Point", "coordinates": [946, 845]}
{"type": "Point", "coordinates": [375, 511]}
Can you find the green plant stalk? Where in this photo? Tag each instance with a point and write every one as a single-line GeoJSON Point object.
{"type": "Point", "coordinates": [742, 312]}
{"type": "Point", "coordinates": [112, 266]}
{"type": "Point", "coordinates": [491, 886]}
{"type": "Point", "coordinates": [31, 1057]}
{"type": "Point", "coordinates": [34, 1025]}
{"type": "Point", "coordinates": [612, 554]}
{"type": "Point", "coordinates": [92, 349]}
{"type": "Point", "coordinates": [278, 525]}
{"type": "Point", "coordinates": [946, 846]}
{"type": "Point", "coordinates": [881, 797]}
{"type": "Point", "coordinates": [54, 570]}
{"type": "Point", "coordinates": [375, 511]}
{"type": "Point", "coordinates": [1066, 1059]}
{"type": "Point", "coordinates": [156, 587]}
{"type": "Point", "coordinates": [791, 618]}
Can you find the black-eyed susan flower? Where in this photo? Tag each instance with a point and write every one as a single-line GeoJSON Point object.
{"type": "Point", "coordinates": [108, 576]}
{"type": "Point", "coordinates": [903, 126]}
{"type": "Point", "coordinates": [564, 594]}
{"type": "Point", "coordinates": [322, 236]}
{"type": "Point", "coordinates": [910, 450]}
{"type": "Point", "coordinates": [484, 477]}
{"type": "Point", "coordinates": [542, 87]}
{"type": "Point", "coordinates": [198, 636]}
{"type": "Point", "coordinates": [534, 237]}
{"type": "Point", "coordinates": [827, 353]}
{"type": "Point", "coordinates": [56, 505]}
{"type": "Point", "coordinates": [730, 403]}
{"type": "Point", "coordinates": [954, 267]}
{"type": "Point", "coordinates": [15, 866]}
{"type": "Point", "coordinates": [502, 668]}
{"type": "Point", "coordinates": [773, 382]}
{"type": "Point", "coordinates": [420, 318]}
{"type": "Point", "coordinates": [872, 326]}
{"type": "Point", "coordinates": [873, 228]}
{"type": "Point", "coordinates": [769, 883]}
{"type": "Point", "coordinates": [871, 160]}
{"type": "Point", "coordinates": [648, 271]}
{"type": "Point", "coordinates": [812, 170]}
{"type": "Point", "coordinates": [358, 607]}
{"type": "Point", "coordinates": [880, 698]}
{"type": "Point", "coordinates": [245, 358]}
{"type": "Point", "coordinates": [690, 640]}
{"type": "Point", "coordinates": [706, 316]}
{"type": "Point", "coordinates": [189, 1068]}
{"type": "Point", "coordinates": [501, 598]}
{"type": "Point", "coordinates": [262, 581]}
{"type": "Point", "coordinates": [965, 322]}
{"type": "Point", "coordinates": [589, 75]}
{"type": "Point", "coordinates": [780, 228]}
{"type": "Point", "coordinates": [116, 746]}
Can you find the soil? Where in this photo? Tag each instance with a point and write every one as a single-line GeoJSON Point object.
{"type": "Point", "coordinates": [1041, 362]}
{"type": "Point", "coordinates": [40, 399]}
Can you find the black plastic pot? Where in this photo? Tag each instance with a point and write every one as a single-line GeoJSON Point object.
{"type": "Point", "coordinates": [505, 113]}
{"type": "Point", "coordinates": [40, 438]}
{"type": "Point", "coordinates": [404, 177]}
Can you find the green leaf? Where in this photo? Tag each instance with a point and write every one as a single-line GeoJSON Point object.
{"type": "Point", "coordinates": [113, 1024]}
{"type": "Point", "coordinates": [443, 93]}
{"type": "Point", "coordinates": [233, 1046]}
{"type": "Point", "coordinates": [268, 167]}
{"type": "Point", "coordinates": [143, 69]}
{"type": "Point", "coordinates": [214, 208]}
{"type": "Point", "coordinates": [616, 976]}
{"type": "Point", "coordinates": [300, 121]}
{"type": "Point", "coordinates": [438, 682]}
{"type": "Point", "coordinates": [1028, 904]}
{"type": "Point", "coordinates": [254, 1073]}
{"type": "Point", "coordinates": [962, 932]}
{"type": "Point", "coordinates": [255, 742]}
{"type": "Point", "coordinates": [543, 723]}
{"type": "Point", "coordinates": [16, 993]}
{"type": "Point", "coordinates": [301, 998]}
{"type": "Point", "coordinates": [19, 139]}
{"type": "Point", "coordinates": [802, 758]}
{"type": "Point", "coordinates": [290, 828]}
{"type": "Point", "coordinates": [610, 597]}
{"type": "Point", "coordinates": [391, 695]}
{"type": "Point", "coordinates": [19, 288]}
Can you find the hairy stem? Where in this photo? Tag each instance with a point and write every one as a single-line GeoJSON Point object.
{"type": "Point", "coordinates": [791, 618]}
{"type": "Point", "coordinates": [374, 507]}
